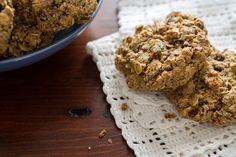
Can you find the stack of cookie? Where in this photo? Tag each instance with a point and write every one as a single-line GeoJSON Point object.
{"type": "Point", "coordinates": [176, 57]}
{"type": "Point", "coordinates": [27, 25]}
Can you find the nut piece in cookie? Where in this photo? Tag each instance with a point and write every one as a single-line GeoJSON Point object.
{"type": "Point", "coordinates": [6, 25]}
{"type": "Point", "coordinates": [211, 95]}
{"type": "Point", "coordinates": [164, 56]}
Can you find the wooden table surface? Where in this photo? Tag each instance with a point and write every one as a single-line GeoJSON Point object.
{"type": "Point", "coordinates": [34, 103]}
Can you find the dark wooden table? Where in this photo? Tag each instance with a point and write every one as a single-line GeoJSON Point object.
{"type": "Point", "coordinates": [34, 103]}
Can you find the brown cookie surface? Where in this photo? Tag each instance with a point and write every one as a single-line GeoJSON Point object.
{"type": "Point", "coordinates": [6, 25]}
{"type": "Point", "coordinates": [164, 55]}
{"type": "Point", "coordinates": [211, 95]}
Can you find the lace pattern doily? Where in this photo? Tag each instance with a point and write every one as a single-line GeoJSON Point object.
{"type": "Point", "coordinates": [181, 138]}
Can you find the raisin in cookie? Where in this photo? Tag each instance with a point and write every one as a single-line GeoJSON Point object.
{"type": "Point", "coordinates": [6, 25]}
{"type": "Point", "coordinates": [211, 95]}
{"type": "Point", "coordinates": [164, 55]}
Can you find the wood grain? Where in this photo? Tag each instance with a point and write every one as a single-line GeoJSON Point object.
{"type": "Point", "coordinates": [34, 119]}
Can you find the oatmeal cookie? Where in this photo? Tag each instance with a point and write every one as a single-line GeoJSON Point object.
{"type": "Point", "coordinates": [37, 21]}
{"type": "Point", "coordinates": [164, 55]}
{"type": "Point", "coordinates": [6, 25]}
{"type": "Point", "coordinates": [26, 38]}
{"type": "Point", "coordinates": [54, 15]}
{"type": "Point", "coordinates": [211, 95]}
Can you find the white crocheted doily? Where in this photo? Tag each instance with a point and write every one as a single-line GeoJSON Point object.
{"type": "Point", "coordinates": [143, 124]}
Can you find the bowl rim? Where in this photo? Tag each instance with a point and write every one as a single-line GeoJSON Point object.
{"type": "Point", "coordinates": [56, 43]}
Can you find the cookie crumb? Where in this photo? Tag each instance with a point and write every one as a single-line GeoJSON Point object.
{"type": "Point", "coordinates": [109, 141]}
{"type": "Point", "coordinates": [102, 133]}
{"type": "Point", "coordinates": [124, 106]}
{"type": "Point", "coordinates": [89, 148]}
{"type": "Point", "coordinates": [170, 116]}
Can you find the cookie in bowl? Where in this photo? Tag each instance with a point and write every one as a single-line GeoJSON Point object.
{"type": "Point", "coordinates": [36, 23]}
{"type": "Point", "coordinates": [6, 24]}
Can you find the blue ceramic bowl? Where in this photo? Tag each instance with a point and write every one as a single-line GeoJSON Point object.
{"type": "Point", "coordinates": [62, 39]}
